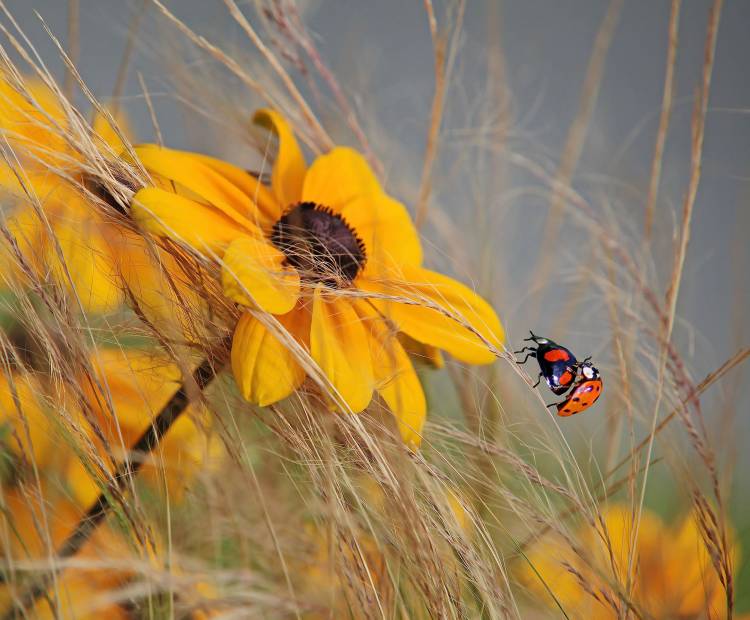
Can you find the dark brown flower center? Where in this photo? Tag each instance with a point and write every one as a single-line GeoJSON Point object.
{"type": "Point", "coordinates": [319, 244]}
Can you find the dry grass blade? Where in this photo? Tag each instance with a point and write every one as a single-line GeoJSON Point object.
{"type": "Point", "coordinates": [664, 116]}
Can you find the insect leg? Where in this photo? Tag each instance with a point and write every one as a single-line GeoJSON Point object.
{"type": "Point", "coordinates": [528, 355]}
{"type": "Point", "coordinates": [539, 380]}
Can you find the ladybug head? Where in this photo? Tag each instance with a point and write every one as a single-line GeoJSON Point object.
{"type": "Point", "coordinates": [588, 371]}
{"type": "Point", "coordinates": [537, 339]}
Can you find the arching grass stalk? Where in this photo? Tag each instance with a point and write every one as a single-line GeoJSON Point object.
{"type": "Point", "coordinates": [203, 375]}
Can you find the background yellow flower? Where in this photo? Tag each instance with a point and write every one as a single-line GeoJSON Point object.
{"type": "Point", "coordinates": [673, 573]}
{"type": "Point", "coordinates": [138, 384]}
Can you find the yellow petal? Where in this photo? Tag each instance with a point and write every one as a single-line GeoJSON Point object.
{"type": "Point", "coordinates": [84, 488]}
{"type": "Point", "coordinates": [269, 209]}
{"type": "Point", "coordinates": [88, 261]}
{"type": "Point", "coordinates": [265, 369]}
{"type": "Point", "coordinates": [438, 309]}
{"type": "Point", "coordinates": [339, 344]}
{"type": "Point", "coordinates": [159, 286]}
{"type": "Point", "coordinates": [190, 171]}
{"type": "Point", "coordinates": [139, 384]}
{"type": "Point", "coordinates": [252, 274]}
{"type": "Point", "coordinates": [30, 119]}
{"type": "Point", "coordinates": [386, 229]}
{"type": "Point", "coordinates": [170, 215]}
{"type": "Point", "coordinates": [338, 178]}
{"type": "Point", "coordinates": [107, 134]}
{"type": "Point", "coordinates": [423, 353]}
{"type": "Point", "coordinates": [395, 379]}
{"type": "Point", "coordinates": [22, 409]}
{"type": "Point", "coordinates": [289, 168]}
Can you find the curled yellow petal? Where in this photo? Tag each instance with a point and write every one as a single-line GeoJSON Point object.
{"type": "Point", "coordinates": [265, 368]}
{"type": "Point", "coordinates": [165, 214]}
{"type": "Point", "coordinates": [289, 169]}
{"type": "Point", "coordinates": [252, 274]}
{"type": "Point", "coordinates": [439, 311]}
{"type": "Point", "coordinates": [339, 344]}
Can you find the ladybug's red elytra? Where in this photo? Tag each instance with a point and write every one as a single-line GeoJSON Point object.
{"type": "Point", "coordinates": [586, 390]}
{"type": "Point", "coordinates": [563, 372]}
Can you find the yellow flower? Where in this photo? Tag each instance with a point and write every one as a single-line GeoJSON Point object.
{"type": "Point", "coordinates": [139, 385]}
{"type": "Point", "coordinates": [81, 249]}
{"type": "Point", "coordinates": [27, 431]}
{"type": "Point", "coordinates": [31, 117]}
{"type": "Point", "coordinates": [33, 528]}
{"type": "Point", "coordinates": [336, 260]}
{"type": "Point", "coordinates": [674, 576]}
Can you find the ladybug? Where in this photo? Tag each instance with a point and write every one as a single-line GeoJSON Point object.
{"type": "Point", "coordinates": [586, 390]}
{"type": "Point", "coordinates": [557, 364]}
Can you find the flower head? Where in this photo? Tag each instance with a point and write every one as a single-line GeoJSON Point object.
{"type": "Point", "coordinates": [674, 576]}
{"type": "Point", "coordinates": [54, 221]}
{"type": "Point", "coordinates": [334, 258]}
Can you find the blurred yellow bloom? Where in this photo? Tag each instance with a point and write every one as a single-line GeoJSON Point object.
{"type": "Point", "coordinates": [336, 261]}
{"type": "Point", "coordinates": [70, 240]}
{"type": "Point", "coordinates": [139, 385]}
{"type": "Point", "coordinates": [26, 429]}
{"type": "Point", "coordinates": [32, 529]}
{"type": "Point", "coordinates": [30, 118]}
{"type": "Point", "coordinates": [674, 576]}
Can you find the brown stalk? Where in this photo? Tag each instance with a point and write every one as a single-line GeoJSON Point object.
{"type": "Point", "coordinates": [696, 154]}
{"type": "Point", "coordinates": [438, 99]}
{"type": "Point", "coordinates": [74, 43]}
{"type": "Point", "coordinates": [664, 117]}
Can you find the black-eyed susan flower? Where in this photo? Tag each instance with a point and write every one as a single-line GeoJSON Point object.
{"type": "Point", "coordinates": [673, 573]}
{"type": "Point", "coordinates": [332, 256]}
{"type": "Point", "coordinates": [67, 238]}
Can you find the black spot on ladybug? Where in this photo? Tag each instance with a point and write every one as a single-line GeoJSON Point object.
{"type": "Point", "coordinates": [576, 399]}
{"type": "Point", "coordinates": [566, 410]}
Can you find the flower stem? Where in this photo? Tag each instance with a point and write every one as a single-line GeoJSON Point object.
{"type": "Point", "coordinates": [87, 524]}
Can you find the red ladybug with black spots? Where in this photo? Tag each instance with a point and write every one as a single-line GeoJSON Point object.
{"type": "Point", "coordinates": [586, 391]}
{"type": "Point", "coordinates": [563, 372]}
{"type": "Point", "coordinates": [557, 364]}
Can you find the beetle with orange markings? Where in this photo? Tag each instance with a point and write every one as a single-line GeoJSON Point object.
{"type": "Point", "coordinates": [562, 372]}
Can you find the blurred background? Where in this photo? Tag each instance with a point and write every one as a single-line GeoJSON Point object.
{"type": "Point", "coordinates": [518, 71]}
